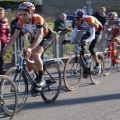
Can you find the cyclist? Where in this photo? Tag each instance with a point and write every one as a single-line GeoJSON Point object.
{"type": "Point", "coordinates": [92, 27]}
{"type": "Point", "coordinates": [112, 23]}
{"type": "Point", "coordinates": [41, 38]}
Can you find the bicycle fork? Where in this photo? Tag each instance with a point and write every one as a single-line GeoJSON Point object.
{"type": "Point", "coordinates": [77, 67]}
{"type": "Point", "coordinates": [18, 70]}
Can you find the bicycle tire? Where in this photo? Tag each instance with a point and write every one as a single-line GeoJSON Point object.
{"type": "Point", "coordinates": [97, 78]}
{"type": "Point", "coordinates": [118, 64]}
{"type": "Point", "coordinates": [22, 90]}
{"type": "Point", "coordinates": [71, 72]}
{"type": "Point", "coordinates": [4, 79]}
{"type": "Point", "coordinates": [52, 75]}
{"type": "Point", "coordinates": [108, 62]}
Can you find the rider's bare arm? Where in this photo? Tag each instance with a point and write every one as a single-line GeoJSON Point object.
{"type": "Point", "coordinates": [13, 39]}
{"type": "Point", "coordinates": [117, 37]}
{"type": "Point", "coordinates": [104, 32]}
{"type": "Point", "coordinates": [38, 38]}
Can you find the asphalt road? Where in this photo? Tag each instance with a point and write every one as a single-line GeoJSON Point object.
{"type": "Point", "coordinates": [88, 102]}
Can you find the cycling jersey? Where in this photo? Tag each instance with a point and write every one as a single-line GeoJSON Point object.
{"type": "Point", "coordinates": [37, 22]}
{"type": "Point", "coordinates": [115, 27]}
{"type": "Point", "coordinates": [90, 24]}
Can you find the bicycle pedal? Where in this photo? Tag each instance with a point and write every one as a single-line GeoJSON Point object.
{"type": "Point", "coordinates": [38, 89]}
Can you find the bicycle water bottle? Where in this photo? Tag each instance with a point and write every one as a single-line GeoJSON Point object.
{"type": "Point", "coordinates": [31, 73]}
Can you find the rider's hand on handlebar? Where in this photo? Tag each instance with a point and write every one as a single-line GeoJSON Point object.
{"type": "Point", "coordinates": [28, 53]}
{"type": "Point", "coordinates": [84, 42]}
{"type": "Point", "coordinates": [66, 41]}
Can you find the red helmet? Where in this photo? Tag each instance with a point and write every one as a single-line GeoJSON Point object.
{"type": "Point", "coordinates": [27, 6]}
{"type": "Point", "coordinates": [79, 13]}
{"type": "Point", "coordinates": [112, 15]}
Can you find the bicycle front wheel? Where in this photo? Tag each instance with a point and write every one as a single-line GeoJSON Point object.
{"type": "Point", "coordinates": [22, 87]}
{"type": "Point", "coordinates": [72, 73]}
{"type": "Point", "coordinates": [8, 100]}
{"type": "Point", "coordinates": [52, 75]}
{"type": "Point", "coordinates": [108, 62]}
{"type": "Point", "coordinates": [96, 78]}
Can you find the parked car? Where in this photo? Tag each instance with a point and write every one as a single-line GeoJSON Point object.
{"type": "Point", "coordinates": [70, 18]}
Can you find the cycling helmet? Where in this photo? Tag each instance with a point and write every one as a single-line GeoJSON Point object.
{"type": "Point", "coordinates": [112, 15]}
{"type": "Point", "coordinates": [27, 6]}
{"type": "Point", "coordinates": [79, 13]}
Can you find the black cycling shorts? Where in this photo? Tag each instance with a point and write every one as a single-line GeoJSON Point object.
{"type": "Point", "coordinates": [93, 42]}
{"type": "Point", "coordinates": [46, 42]}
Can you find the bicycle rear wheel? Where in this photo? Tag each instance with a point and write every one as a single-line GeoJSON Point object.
{"type": "Point", "coordinates": [97, 78]}
{"type": "Point", "coordinates": [108, 62]}
{"type": "Point", "coordinates": [72, 73]}
{"type": "Point", "coordinates": [52, 75]}
{"type": "Point", "coordinates": [118, 64]}
{"type": "Point", "coordinates": [22, 87]}
{"type": "Point", "coordinates": [8, 100]}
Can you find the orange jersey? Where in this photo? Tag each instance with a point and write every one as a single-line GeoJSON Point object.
{"type": "Point", "coordinates": [92, 21]}
{"type": "Point", "coordinates": [89, 23]}
{"type": "Point", "coordinates": [37, 22]}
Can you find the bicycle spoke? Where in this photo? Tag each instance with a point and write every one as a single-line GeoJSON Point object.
{"type": "Point", "coordinates": [53, 80]}
{"type": "Point", "coordinates": [72, 73]}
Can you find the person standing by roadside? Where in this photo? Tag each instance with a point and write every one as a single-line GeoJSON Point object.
{"type": "Point", "coordinates": [61, 24]}
{"type": "Point", "coordinates": [19, 43]}
{"type": "Point", "coordinates": [101, 15]}
{"type": "Point", "coordinates": [13, 22]}
{"type": "Point", "coordinates": [4, 35]}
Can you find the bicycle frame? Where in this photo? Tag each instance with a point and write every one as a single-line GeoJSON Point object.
{"type": "Point", "coordinates": [78, 50]}
{"type": "Point", "coordinates": [113, 52]}
{"type": "Point", "coordinates": [21, 67]}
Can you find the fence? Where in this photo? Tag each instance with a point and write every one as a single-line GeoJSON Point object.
{"type": "Point", "coordinates": [57, 50]}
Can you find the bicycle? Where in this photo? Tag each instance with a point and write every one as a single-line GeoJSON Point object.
{"type": "Point", "coordinates": [8, 101]}
{"type": "Point", "coordinates": [110, 56]}
{"type": "Point", "coordinates": [20, 76]}
{"type": "Point", "coordinates": [78, 66]}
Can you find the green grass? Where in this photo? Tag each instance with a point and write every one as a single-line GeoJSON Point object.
{"type": "Point", "coordinates": [51, 24]}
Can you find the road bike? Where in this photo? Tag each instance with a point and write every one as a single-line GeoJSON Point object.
{"type": "Point", "coordinates": [78, 66]}
{"type": "Point", "coordinates": [22, 79]}
{"type": "Point", "coordinates": [8, 100]}
{"type": "Point", "coordinates": [111, 57]}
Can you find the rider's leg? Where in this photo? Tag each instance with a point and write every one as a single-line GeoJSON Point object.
{"type": "Point", "coordinates": [36, 55]}
{"type": "Point", "coordinates": [117, 39]}
{"type": "Point", "coordinates": [95, 57]}
{"type": "Point", "coordinates": [91, 49]}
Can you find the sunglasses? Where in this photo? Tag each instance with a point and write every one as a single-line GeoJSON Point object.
{"type": "Point", "coordinates": [77, 19]}
{"type": "Point", "coordinates": [111, 19]}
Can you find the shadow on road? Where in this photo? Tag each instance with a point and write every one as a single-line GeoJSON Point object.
{"type": "Point", "coordinates": [73, 101]}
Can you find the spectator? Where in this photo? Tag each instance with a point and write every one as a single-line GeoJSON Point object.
{"type": "Point", "coordinates": [20, 41]}
{"type": "Point", "coordinates": [14, 21]}
{"type": "Point", "coordinates": [61, 24]}
{"type": "Point", "coordinates": [101, 15]}
{"type": "Point", "coordinates": [4, 35]}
